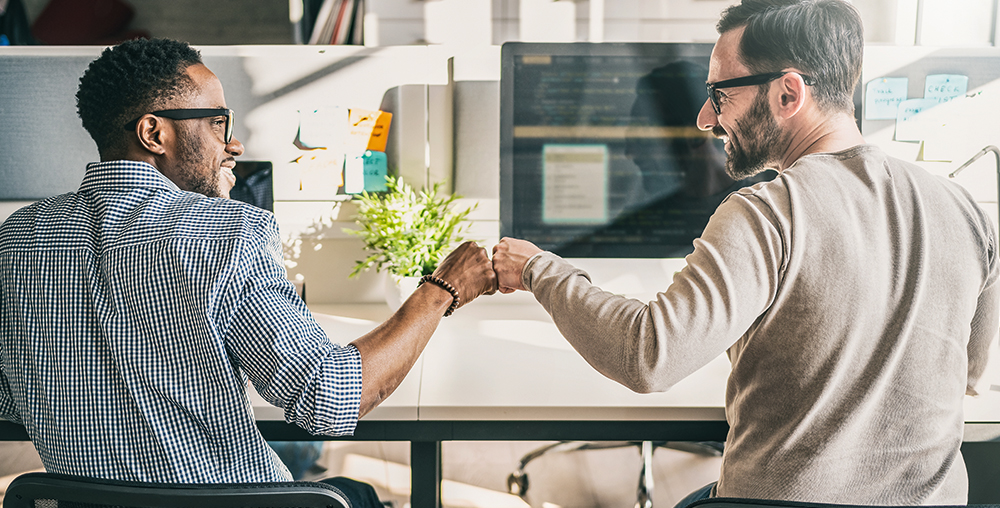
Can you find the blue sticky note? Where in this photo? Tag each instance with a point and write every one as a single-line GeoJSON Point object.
{"type": "Point", "coordinates": [908, 128]}
{"type": "Point", "coordinates": [376, 166]}
{"type": "Point", "coordinates": [912, 107]}
{"type": "Point", "coordinates": [882, 97]}
{"type": "Point", "coordinates": [945, 87]}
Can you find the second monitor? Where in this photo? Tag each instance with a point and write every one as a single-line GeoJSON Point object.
{"type": "Point", "coordinates": [600, 153]}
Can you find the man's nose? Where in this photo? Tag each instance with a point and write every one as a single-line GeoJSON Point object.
{"type": "Point", "coordinates": [707, 119]}
{"type": "Point", "coordinates": [234, 148]}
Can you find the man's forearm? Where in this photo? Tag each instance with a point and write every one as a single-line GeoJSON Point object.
{"type": "Point", "coordinates": [389, 351]}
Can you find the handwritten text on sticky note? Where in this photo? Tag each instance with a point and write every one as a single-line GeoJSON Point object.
{"type": "Point", "coordinates": [945, 87]}
{"type": "Point", "coordinates": [909, 126]}
{"type": "Point", "coordinates": [882, 97]}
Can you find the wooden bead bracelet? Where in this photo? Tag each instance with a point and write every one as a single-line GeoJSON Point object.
{"type": "Point", "coordinates": [447, 287]}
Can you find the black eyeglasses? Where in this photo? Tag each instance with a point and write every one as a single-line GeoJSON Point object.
{"type": "Point", "coordinates": [756, 79]}
{"type": "Point", "coordinates": [185, 114]}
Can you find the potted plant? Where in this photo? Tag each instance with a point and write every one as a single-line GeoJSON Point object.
{"type": "Point", "coordinates": [406, 233]}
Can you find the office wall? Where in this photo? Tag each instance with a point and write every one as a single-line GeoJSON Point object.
{"type": "Point", "coordinates": [955, 130]}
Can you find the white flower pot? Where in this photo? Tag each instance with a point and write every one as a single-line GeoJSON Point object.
{"type": "Point", "coordinates": [398, 289]}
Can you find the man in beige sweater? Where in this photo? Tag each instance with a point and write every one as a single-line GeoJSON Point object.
{"type": "Point", "coordinates": [856, 295]}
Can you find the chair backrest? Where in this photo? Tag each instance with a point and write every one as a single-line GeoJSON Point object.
{"type": "Point", "coordinates": [49, 490]}
{"type": "Point", "coordinates": [734, 502]}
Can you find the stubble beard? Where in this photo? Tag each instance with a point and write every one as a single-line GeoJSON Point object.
{"type": "Point", "coordinates": [756, 148]}
{"type": "Point", "coordinates": [196, 170]}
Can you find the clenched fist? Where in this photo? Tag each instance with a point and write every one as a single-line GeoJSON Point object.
{"type": "Point", "coordinates": [509, 258]}
{"type": "Point", "coordinates": [469, 270]}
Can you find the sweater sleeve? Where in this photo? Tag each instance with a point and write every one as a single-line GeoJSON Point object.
{"type": "Point", "coordinates": [986, 319]}
{"type": "Point", "coordinates": [730, 279]}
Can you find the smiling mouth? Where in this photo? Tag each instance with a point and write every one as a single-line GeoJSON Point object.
{"type": "Point", "coordinates": [227, 172]}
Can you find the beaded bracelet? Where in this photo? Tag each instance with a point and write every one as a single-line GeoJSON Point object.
{"type": "Point", "coordinates": [447, 287]}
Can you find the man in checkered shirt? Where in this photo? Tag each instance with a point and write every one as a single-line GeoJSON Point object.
{"type": "Point", "coordinates": [134, 311]}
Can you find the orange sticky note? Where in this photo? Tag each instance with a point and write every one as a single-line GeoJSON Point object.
{"type": "Point", "coordinates": [368, 129]}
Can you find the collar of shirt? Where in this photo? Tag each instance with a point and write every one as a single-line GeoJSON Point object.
{"type": "Point", "coordinates": [124, 174]}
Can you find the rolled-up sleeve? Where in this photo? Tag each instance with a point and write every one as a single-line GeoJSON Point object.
{"type": "Point", "coordinates": [284, 351]}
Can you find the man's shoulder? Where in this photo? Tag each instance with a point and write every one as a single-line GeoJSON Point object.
{"type": "Point", "coordinates": [61, 209]}
{"type": "Point", "coordinates": [72, 220]}
{"type": "Point", "coordinates": [762, 194]}
{"type": "Point", "coordinates": [866, 156]}
{"type": "Point", "coordinates": [866, 162]}
{"type": "Point", "coordinates": [194, 215]}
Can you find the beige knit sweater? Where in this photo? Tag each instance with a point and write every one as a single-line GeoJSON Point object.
{"type": "Point", "coordinates": [856, 296]}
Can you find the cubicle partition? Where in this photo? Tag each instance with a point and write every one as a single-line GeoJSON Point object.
{"type": "Point", "coordinates": [278, 94]}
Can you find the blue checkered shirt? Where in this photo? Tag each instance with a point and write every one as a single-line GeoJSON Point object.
{"type": "Point", "coordinates": [132, 315]}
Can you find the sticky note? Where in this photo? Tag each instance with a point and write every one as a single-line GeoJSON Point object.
{"type": "Point", "coordinates": [320, 170]}
{"type": "Point", "coordinates": [882, 97]}
{"type": "Point", "coordinates": [367, 130]}
{"type": "Point", "coordinates": [354, 175]}
{"type": "Point", "coordinates": [321, 127]}
{"type": "Point", "coordinates": [376, 167]}
{"type": "Point", "coordinates": [909, 126]}
{"type": "Point", "coordinates": [944, 87]}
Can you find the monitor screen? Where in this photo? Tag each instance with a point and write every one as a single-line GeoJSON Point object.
{"type": "Point", "coordinates": [600, 154]}
{"type": "Point", "coordinates": [253, 184]}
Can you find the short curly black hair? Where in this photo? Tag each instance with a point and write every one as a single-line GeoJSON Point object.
{"type": "Point", "coordinates": [128, 81]}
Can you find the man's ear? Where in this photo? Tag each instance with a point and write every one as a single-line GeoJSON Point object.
{"type": "Point", "coordinates": [153, 134]}
{"type": "Point", "coordinates": [791, 95]}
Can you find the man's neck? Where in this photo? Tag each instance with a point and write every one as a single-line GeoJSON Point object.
{"type": "Point", "coordinates": [821, 134]}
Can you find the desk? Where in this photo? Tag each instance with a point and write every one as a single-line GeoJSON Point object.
{"type": "Point", "coordinates": [501, 371]}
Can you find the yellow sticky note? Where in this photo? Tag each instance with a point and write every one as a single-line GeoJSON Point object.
{"type": "Point", "coordinates": [367, 130]}
{"type": "Point", "coordinates": [320, 168]}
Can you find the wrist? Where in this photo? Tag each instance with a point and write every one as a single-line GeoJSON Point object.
{"type": "Point", "coordinates": [443, 284]}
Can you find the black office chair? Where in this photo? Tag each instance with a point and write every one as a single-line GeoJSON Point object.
{"type": "Point", "coordinates": [733, 502]}
{"type": "Point", "coordinates": [49, 490]}
{"type": "Point", "coordinates": [517, 482]}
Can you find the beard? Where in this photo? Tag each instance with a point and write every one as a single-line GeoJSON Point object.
{"type": "Point", "coordinates": [197, 172]}
{"type": "Point", "coordinates": [757, 144]}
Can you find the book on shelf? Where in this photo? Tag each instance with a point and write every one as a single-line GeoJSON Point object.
{"type": "Point", "coordinates": [339, 22]}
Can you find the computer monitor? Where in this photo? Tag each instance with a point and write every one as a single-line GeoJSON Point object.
{"type": "Point", "coordinates": [254, 184]}
{"type": "Point", "coordinates": [600, 154]}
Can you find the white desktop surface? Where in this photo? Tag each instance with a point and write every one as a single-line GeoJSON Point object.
{"type": "Point", "coordinates": [509, 362]}
{"type": "Point", "coordinates": [501, 361]}
{"type": "Point", "coordinates": [343, 324]}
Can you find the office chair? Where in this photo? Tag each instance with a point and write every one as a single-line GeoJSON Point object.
{"type": "Point", "coordinates": [49, 490]}
{"type": "Point", "coordinates": [517, 482]}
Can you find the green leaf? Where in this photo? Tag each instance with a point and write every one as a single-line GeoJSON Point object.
{"type": "Point", "coordinates": [407, 233]}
